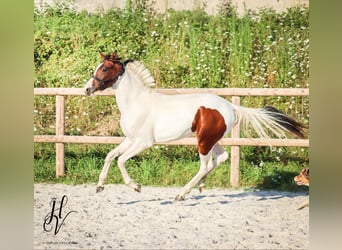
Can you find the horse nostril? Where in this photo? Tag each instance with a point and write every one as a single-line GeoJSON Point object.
{"type": "Point", "coordinates": [87, 91]}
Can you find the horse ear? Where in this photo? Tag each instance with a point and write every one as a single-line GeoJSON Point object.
{"type": "Point", "coordinates": [114, 56]}
{"type": "Point", "coordinates": [103, 56]}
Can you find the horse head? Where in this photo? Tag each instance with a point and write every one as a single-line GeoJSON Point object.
{"type": "Point", "coordinates": [106, 74]}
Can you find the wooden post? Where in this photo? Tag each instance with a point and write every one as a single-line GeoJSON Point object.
{"type": "Point", "coordinates": [59, 131]}
{"type": "Point", "coordinates": [235, 152]}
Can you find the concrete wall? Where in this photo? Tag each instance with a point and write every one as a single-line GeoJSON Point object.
{"type": "Point", "coordinates": [211, 6]}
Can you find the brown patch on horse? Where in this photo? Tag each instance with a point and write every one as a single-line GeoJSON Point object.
{"type": "Point", "coordinates": [210, 126]}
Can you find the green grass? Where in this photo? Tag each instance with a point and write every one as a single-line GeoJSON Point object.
{"type": "Point", "coordinates": [182, 49]}
{"type": "Point", "coordinates": [174, 166]}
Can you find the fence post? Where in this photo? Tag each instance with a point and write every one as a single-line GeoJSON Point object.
{"type": "Point", "coordinates": [235, 152]}
{"type": "Point", "coordinates": [59, 131]}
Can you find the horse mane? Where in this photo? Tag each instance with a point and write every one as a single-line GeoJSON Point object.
{"type": "Point", "coordinates": [141, 71]}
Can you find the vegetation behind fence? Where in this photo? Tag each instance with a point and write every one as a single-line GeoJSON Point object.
{"type": "Point", "coordinates": [183, 49]}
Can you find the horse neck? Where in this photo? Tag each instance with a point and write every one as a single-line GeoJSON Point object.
{"type": "Point", "coordinates": [129, 89]}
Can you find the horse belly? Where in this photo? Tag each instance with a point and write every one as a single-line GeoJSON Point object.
{"type": "Point", "coordinates": [171, 127]}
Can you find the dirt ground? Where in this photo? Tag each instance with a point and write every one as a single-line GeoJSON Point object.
{"type": "Point", "coordinates": [119, 218]}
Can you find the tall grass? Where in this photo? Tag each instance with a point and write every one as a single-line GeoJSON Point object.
{"type": "Point", "coordinates": [182, 49]}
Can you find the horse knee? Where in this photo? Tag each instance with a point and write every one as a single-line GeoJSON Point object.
{"type": "Point", "coordinates": [110, 157]}
{"type": "Point", "coordinates": [121, 162]}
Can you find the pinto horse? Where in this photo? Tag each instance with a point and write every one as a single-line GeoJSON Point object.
{"type": "Point", "coordinates": [149, 117]}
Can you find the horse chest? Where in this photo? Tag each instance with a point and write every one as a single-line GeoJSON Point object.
{"type": "Point", "coordinates": [134, 122]}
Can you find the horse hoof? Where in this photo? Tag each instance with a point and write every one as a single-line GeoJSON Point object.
{"type": "Point", "coordinates": [201, 188]}
{"type": "Point", "coordinates": [99, 189]}
{"type": "Point", "coordinates": [179, 198]}
{"type": "Point", "coordinates": [138, 188]}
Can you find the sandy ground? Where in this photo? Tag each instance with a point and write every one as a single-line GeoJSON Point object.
{"type": "Point", "coordinates": [121, 218]}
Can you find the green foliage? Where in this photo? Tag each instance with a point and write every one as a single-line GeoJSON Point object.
{"type": "Point", "coordinates": [173, 166]}
{"type": "Point", "coordinates": [182, 49]}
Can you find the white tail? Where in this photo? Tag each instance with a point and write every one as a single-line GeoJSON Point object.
{"type": "Point", "coordinates": [265, 120]}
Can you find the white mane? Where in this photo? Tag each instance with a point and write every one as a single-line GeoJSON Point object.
{"type": "Point", "coordinates": [142, 72]}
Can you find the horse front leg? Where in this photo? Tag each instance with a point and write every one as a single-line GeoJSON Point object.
{"type": "Point", "coordinates": [109, 158]}
{"type": "Point", "coordinates": [133, 150]}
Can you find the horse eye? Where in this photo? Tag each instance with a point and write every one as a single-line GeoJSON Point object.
{"type": "Point", "coordinates": [104, 70]}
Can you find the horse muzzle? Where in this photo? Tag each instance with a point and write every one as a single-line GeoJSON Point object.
{"type": "Point", "coordinates": [90, 91]}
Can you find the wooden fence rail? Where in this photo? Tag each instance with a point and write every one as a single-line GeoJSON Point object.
{"type": "Point", "coordinates": [235, 141]}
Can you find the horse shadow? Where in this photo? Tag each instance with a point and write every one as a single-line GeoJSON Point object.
{"type": "Point", "coordinates": [273, 187]}
{"type": "Point", "coordinates": [261, 195]}
{"type": "Point", "coordinates": [224, 199]}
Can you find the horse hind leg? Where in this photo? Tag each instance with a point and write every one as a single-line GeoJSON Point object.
{"type": "Point", "coordinates": [201, 183]}
{"type": "Point", "coordinates": [210, 127]}
{"type": "Point", "coordinates": [219, 156]}
{"type": "Point", "coordinates": [202, 171]}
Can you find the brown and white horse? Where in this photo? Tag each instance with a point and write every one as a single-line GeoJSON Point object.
{"type": "Point", "coordinates": [148, 117]}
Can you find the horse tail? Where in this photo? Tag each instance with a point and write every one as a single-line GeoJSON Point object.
{"type": "Point", "coordinates": [268, 119]}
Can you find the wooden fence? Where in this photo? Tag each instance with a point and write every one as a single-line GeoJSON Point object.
{"type": "Point", "coordinates": [234, 141]}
